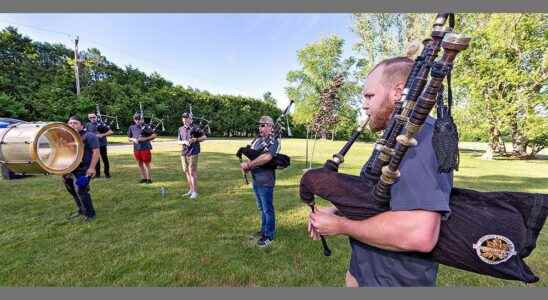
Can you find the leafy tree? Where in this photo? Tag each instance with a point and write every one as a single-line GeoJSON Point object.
{"type": "Point", "coordinates": [320, 63]}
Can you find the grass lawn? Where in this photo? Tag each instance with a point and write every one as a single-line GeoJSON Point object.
{"type": "Point", "coordinates": [143, 239]}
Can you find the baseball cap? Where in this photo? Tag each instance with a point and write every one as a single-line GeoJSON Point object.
{"type": "Point", "coordinates": [266, 120]}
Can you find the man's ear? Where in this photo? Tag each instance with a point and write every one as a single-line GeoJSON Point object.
{"type": "Point", "coordinates": [396, 91]}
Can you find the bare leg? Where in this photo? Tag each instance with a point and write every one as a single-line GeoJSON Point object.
{"type": "Point", "coordinates": [142, 170]}
{"type": "Point", "coordinates": [147, 171]}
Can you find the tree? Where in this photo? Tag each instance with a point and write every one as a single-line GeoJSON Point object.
{"type": "Point", "coordinates": [504, 71]}
{"type": "Point", "coordinates": [267, 98]}
{"type": "Point", "coordinates": [321, 62]}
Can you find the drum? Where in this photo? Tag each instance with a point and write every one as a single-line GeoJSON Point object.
{"type": "Point", "coordinates": [38, 148]}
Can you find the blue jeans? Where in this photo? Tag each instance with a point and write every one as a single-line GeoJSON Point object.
{"type": "Point", "coordinates": [264, 196]}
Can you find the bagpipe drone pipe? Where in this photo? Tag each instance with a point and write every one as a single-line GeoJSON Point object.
{"type": "Point", "coordinates": [105, 122]}
{"type": "Point", "coordinates": [488, 233]}
{"type": "Point", "coordinates": [152, 126]}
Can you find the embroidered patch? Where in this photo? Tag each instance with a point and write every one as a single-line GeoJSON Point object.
{"type": "Point", "coordinates": [494, 249]}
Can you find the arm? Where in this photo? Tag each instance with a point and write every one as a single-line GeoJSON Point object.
{"type": "Point", "coordinates": [415, 230]}
{"type": "Point", "coordinates": [200, 139]}
{"type": "Point", "coordinates": [259, 161]}
{"type": "Point", "coordinates": [94, 159]}
{"type": "Point", "coordinates": [130, 136]}
{"type": "Point", "coordinates": [148, 138]}
{"type": "Point", "coordinates": [100, 135]}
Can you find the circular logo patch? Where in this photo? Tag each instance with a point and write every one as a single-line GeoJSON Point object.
{"type": "Point", "coordinates": [494, 249]}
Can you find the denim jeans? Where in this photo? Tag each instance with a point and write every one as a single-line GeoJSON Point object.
{"type": "Point", "coordinates": [264, 196]}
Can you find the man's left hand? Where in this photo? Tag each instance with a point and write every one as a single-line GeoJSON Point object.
{"type": "Point", "coordinates": [326, 222]}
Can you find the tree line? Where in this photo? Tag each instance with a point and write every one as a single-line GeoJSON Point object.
{"type": "Point", "coordinates": [37, 83]}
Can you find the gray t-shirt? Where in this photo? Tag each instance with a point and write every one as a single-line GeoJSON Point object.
{"type": "Point", "coordinates": [134, 131]}
{"type": "Point", "coordinates": [92, 127]}
{"type": "Point", "coordinates": [263, 176]}
{"type": "Point", "coordinates": [420, 186]}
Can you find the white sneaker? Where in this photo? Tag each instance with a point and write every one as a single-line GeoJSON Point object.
{"type": "Point", "coordinates": [188, 194]}
{"type": "Point", "coordinates": [193, 195]}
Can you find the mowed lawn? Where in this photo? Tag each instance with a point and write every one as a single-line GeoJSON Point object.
{"type": "Point", "coordinates": [143, 239]}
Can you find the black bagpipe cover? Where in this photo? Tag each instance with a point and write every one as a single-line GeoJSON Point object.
{"type": "Point", "coordinates": [488, 233]}
{"type": "Point", "coordinates": [279, 161]}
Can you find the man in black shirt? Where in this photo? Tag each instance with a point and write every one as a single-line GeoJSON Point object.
{"type": "Point", "coordinates": [92, 126]}
{"type": "Point", "coordinates": [77, 182]}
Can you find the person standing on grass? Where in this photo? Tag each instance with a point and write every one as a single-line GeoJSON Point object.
{"type": "Point", "coordinates": [91, 127]}
{"type": "Point", "coordinates": [141, 147]}
{"type": "Point", "coordinates": [77, 182]}
{"type": "Point", "coordinates": [264, 180]}
{"type": "Point", "coordinates": [418, 201]}
{"type": "Point", "coordinates": [190, 137]}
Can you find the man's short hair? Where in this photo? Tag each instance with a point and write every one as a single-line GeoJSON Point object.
{"type": "Point", "coordinates": [137, 116]}
{"type": "Point", "coordinates": [395, 69]}
{"type": "Point", "coordinates": [76, 118]}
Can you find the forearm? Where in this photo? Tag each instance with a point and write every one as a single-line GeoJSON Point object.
{"type": "Point", "coordinates": [396, 230]}
{"type": "Point", "coordinates": [94, 158]}
{"type": "Point", "coordinates": [261, 160]}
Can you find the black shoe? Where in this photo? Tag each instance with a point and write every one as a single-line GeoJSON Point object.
{"type": "Point", "coordinates": [143, 181]}
{"type": "Point", "coordinates": [256, 235]}
{"type": "Point", "coordinates": [107, 176]}
{"type": "Point", "coordinates": [97, 176]}
{"type": "Point", "coordinates": [74, 215]}
{"type": "Point", "coordinates": [149, 181]}
{"type": "Point", "coordinates": [264, 242]}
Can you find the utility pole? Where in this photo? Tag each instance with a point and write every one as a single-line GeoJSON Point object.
{"type": "Point", "coordinates": [76, 73]}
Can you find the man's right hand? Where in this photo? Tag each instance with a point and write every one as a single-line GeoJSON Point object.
{"type": "Point", "coordinates": [312, 232]}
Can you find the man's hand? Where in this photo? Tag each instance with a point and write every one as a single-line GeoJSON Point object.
{"type": "Point", "coordinates": [325, 222]}
{"type": "Point", "coordinates": [245, 166]}
{"type": "Point", "coordinates": [134, 140]}
{"type": "Point", "coordinates": [192, 140]}
{"type": "Point", "coordinates": [313, 233]}
{"type": "Point", "coordinates": [90, 172]}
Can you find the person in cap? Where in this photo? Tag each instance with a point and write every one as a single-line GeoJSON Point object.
{"type": "Point", "coordinates": [92, 127]}
{"type": "Point", "coordinates": [190, 137]}
{"type": "Point", "coordinates": [264, 180]}
{"type": "Point", "coordinates": [77, 182]}
{"type": "Point", "coordinates": [141, 147]}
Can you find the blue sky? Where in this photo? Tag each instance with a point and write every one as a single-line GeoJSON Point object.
{"type": "Point", "coordinates": [245, 54]}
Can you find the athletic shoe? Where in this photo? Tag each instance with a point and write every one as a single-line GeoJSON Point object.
{"type": "Point", "coordinates": [73, 215]}
{"type": "Point", "coordinates": [149, 181]}
{"type": "Point", "coordinates": [264, 242]}
{"type": "Point", "coordinates": [256, 235]}
{"type": "Point", "coordinates": [86, 219]}
{"type": "Point", "coordinates": [143, 181]}
{"type": "Point", "coordinates": [193, 195]}
{"type": "Point", "coordinates": [188, 194]}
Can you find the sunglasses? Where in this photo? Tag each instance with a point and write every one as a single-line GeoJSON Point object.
{"type": "Point", "coordinates": [263, 125]}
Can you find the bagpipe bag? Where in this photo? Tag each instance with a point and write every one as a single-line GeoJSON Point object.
{"type": "Point", "coordinates": [488, 233]}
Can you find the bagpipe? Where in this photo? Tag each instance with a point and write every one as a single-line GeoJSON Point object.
{"type": "Point", "coordinates": [201, 123]}
{"type": "Point", "coordinates": [278, 161]}
{"type": "Point", "coordinates": [105, 122]}
{"type": "Point", "coordinates": [151, 127]}
{"type": "Point", "coordinates": [488, 233]}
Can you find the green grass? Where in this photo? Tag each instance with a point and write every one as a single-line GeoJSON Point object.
{"type": "Point", "coordinates": [142, 239]}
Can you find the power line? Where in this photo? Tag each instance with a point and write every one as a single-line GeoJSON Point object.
{"type": "Point", "coordinates": [9, 22]}
{"type": "Point", "coordinates": [73, 36]}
